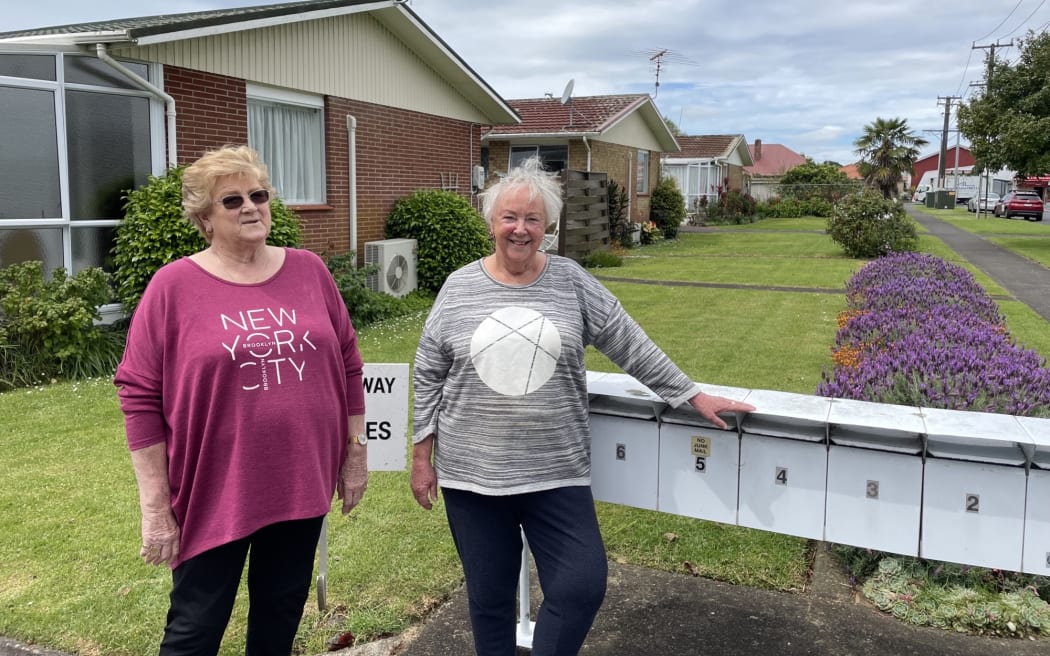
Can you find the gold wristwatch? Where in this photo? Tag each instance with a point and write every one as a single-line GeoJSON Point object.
{"type": "Point", "coordinates": [361, 439]}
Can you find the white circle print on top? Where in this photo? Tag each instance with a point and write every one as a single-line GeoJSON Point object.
{"type": "Point", "coordinates": [515, 350]}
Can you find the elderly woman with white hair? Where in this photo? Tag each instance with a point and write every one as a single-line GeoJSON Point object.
{"type": "Point", "coordinates": [501, 417]}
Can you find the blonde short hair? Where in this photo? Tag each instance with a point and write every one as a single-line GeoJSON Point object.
{"type": "Point", "coordinates": [530, 175]}
{"type": "Point", "coordinates": [199, 179]}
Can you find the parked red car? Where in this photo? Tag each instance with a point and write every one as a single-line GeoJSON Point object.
{"type": "Point", "coordinates": [1020, 203]}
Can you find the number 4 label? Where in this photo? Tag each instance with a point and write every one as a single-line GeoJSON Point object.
{"type": "Point", "coordinates": [781, 476]}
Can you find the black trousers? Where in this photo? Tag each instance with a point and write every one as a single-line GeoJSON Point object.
{"type": "Point", "coordinates": [280, 568]}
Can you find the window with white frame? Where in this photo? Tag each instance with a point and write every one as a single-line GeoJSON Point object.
{"type": "Point", "coordinates": [554, 157]}
{"type": "Point", "coordinates": [75, 136]}
{"type": "Point", "coordinates": [642, 175]}
{"type": "Point", "coordinates": [287, 129]}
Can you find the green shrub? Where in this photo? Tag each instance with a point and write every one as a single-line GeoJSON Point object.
{"type": "Point", "coordinates": [790, 207]}
{"type": "Point", "coordinates": [155, 232]}
{"type": "Point", "coordinates": [47, 326]}
{"type": "Point", "coordinates": [667, 207]}
{"type": "Point", "coordinates": [366, 306]}
{"type": "Point", "coordinates": [867, 225]}
{"type": "Point", "coordinates": [619, 222]}
{"type": "Point", "coordinates": [449, 233]}
{"type": "Point", "coordinates": [602, 259]}
{"type": "Point", "coordinates": [732, 206]}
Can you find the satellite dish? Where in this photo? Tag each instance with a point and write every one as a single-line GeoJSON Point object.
{"type": "Point", "coordinates": [567, 94]}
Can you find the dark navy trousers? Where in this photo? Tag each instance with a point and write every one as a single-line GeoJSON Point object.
{"type": "Point", "coordinates": [562, 531]}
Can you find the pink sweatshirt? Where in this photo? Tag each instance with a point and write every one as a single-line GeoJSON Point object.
{"type": "Point", "coordinates": [250, 387]}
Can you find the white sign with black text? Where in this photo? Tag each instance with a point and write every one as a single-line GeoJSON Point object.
{"type": "Point", "coordinates": [386, 415]}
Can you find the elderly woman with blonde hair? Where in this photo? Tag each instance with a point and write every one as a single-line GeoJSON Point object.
{"type": "Point", "coordinates": [501, 419]}
{"type": "Point", "coordinates": [244, 412]}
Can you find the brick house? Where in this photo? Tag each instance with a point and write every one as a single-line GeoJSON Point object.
{"type": "Point", "coordinates": [707, 162]}
{"type": "Point", "coordinates": [621, 135]}
{"type": "Point", "coordinates": [352, 103]}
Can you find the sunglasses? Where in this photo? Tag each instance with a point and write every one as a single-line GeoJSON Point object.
{"type": "Point", "coordinates": [258, 197]}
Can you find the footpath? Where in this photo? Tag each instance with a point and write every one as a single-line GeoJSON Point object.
{"type": "Point", "coordinates": [648, 612]}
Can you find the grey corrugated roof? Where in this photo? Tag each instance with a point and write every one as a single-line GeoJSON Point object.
{"type": "Point", "coordinates": [150, 25]}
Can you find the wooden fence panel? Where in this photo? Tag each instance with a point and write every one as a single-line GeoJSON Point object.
{"type": "Point", "coordinates": [584, 222]}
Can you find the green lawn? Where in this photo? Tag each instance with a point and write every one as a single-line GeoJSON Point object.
{"type": "Point", "coordinates": [70, 577]}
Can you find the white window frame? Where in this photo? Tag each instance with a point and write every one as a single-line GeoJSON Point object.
{"type": "Point", "coordinates": [58, 87]}
{"type": "Point", "coordinates": [642, 164]}
{"type": "Point", "coordinates": [313, 191]}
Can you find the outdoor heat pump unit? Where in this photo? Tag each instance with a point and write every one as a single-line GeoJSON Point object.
{"type": "Point", "coordinates": [396, 259]}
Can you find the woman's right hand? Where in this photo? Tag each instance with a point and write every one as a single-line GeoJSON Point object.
{"type": "Point", "coordinates": [160, 536]}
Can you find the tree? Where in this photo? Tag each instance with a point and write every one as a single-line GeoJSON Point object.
{"type": "Point", "coordinates": [887, 150]}
{"type": "Point", "coordinates": [673, 127]}
{"type": "Point", "coordinates": [1008, 124]}
{"type": "Point", "coordinates": [814, 180]}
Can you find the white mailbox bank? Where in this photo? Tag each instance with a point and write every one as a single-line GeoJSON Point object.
{"type": "Point", "coordinates": [963, 487]}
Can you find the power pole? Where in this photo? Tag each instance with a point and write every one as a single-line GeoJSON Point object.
{"type": "Point", "coordinates": [987, 79]}
{"type": "Point", "coordinates": [991, 55]}
{"type": "Point", "coordinates": [944, 136]}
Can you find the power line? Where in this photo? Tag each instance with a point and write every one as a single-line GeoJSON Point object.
{"type": "Point", "coordinates": [1025, 21]}
{"type": "Point", "coordinates": [1002, 22]}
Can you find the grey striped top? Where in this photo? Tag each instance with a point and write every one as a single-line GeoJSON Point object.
{"type": "Point", "coordinates": [500, 379]}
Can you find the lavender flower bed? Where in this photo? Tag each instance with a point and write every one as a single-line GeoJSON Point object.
{"type": "Point", "coordinates": [921, 331]}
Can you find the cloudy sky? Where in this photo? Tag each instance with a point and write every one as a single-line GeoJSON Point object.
{"type": "Point", "coordinates": [808, 74]}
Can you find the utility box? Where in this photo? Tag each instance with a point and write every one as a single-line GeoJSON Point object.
{"type": "Point", "coordinates": [974, 487]}
{"type": "Point", "coordinates": [699, 463]}
{"type": "Point", "coordinates": [783, 463]}
{"type": "Point", "coordinates": [931, 199]}
{"type": "Point", "coordinates": [625, 440]}
{"type": "Point", "coordinates": [1037, 510]}
{"type": "Point", "coordinates": [874, 476]}
{"type": "Point", "coordinates": [944, 199]}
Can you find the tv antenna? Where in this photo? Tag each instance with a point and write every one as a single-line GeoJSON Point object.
{"type": "Point", "coordinates": [657, 57]}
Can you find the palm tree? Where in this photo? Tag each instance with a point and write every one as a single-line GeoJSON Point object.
{"type": "Point", "coordinates": [887, 149]}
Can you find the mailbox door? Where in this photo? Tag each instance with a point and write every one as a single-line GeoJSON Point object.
{"type": "Point", "coordinates": [1037, 524]}
{"type": "Point", "coordinates": [782, 485]}
{"type": "Point", "coordinates": [973, 513]}
{"type": "Point", "coordinates": [874, 500]}
{"type": "Point", "coordinates": [699, 469]}
{"type": "Point", "coordinates": [624, 460]}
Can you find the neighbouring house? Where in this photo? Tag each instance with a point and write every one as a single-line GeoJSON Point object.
{"type": "Point", "coordinates": [352, 103]}
{"type": "Point", "coordinates": [621, 135]}
{"type": "Point", "coordinates": [771, 162]}
{"type": "Point", "coordinates": [707, 163]}
{"type": "Point", "coordinates": [958, 157]}
{"type": "Point", "coordinates": [852, 172]}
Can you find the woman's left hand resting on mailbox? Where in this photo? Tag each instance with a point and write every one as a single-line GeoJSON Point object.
{"type": "Point", "coordinates": [710, 407]}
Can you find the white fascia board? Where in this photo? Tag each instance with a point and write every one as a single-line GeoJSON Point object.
{"type": "Point", "coordinates": [520, 136]}
{"type": "Point", "coordinates": [259, 23]}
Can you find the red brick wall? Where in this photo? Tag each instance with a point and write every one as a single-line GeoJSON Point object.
{"type": "Point", "coordinates": [398, 152]}
{"type": "Point", "coordinates": [210, 111]}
